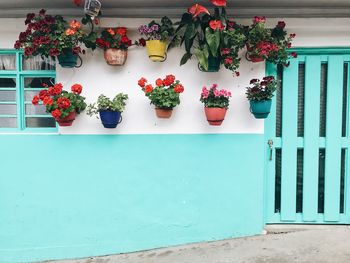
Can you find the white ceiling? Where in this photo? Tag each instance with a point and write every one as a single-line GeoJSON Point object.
{"type": "Point", "coordinates": [158, 8]}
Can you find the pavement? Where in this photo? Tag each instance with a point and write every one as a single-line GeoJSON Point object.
{"type": "Point", "coordinates": [281, 244]}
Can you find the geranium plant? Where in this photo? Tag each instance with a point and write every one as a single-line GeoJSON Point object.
{"type": "Point", "coordinates": [269, 44]}
{"type": "Point", "coordinates": [50, 36]}
{"type": "Point", "coordinates": [215, 98]}
{"type": "Point", "coordinates": [163, 31]}
{"type": "Point", "coordinates": [261, 90]}
{"type": "Point", "coordinates": [61, 103]}
{"type": "Point", "coordinates": [114, 38]}
{"type": "Point", "coordinates": [165, 95]}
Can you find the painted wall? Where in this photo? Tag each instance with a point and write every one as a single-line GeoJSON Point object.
{"type": "Point", "coordinates": [172, 182]}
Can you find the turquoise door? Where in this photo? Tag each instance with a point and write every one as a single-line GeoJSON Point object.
{"type": "Point", "coordinates": [307, 140]}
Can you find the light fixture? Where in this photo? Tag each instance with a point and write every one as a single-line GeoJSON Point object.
{"type": "Point", "coordinates": [92, 7]}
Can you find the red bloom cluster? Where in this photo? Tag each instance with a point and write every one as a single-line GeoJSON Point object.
{"type": "Point", "coordinates": [259, 19]}
{"type": "Point", "coordinates": [63, 103]}
{"type": "Point", "coordinates": [197, 9]}
{"type": "Point", "coordinates": [264, 48]}
{"type": "Point", "coordinates": [219, 2]}
{"type": "Point", "coordinates": [114, 38]}
{"type": "Point", "coordinates": [77, 88]}
{"type": "Point", "coordinates": [168, 81]}
{"type": "Point", "coordinates": [216, 25]}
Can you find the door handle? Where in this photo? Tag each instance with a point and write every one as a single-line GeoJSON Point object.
{"type": "Point", "coordinates": [270, 143]}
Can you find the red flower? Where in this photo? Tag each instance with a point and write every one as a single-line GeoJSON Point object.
{"type": "Point", "coordinates": [35, 100]}
{"type": "Point", "coordinates": [43, 94]}
{"type": "Point", "coordinates": [76, 50]}
{"type": "Point", "coordinates": [57, 89]}
{"type": "Point", "coordinates": [294, 54]}
{"type": "Point", "coordinates": [121, 31]}
{"type": "Point", "coordinates": [281, 24]}
{"type": "Point", "coordinates": [47, 101]}
{"type": "Point", "coordinates": [54, 52]}
{"type": "Point", "coordinates": [142, 82]}
{"type": "Point", "coordinates": [77, 88]}
{"type": "Point", "coordinates": [230, 23]}
{"type": "Point", "coordinates": [179, 88]}
{"type": "Point", "coordinates": [254, 81]}
{"type": "Point", "coordinates": [159, 82]}
{"type": "Point", "coordinates": [63, 103]}
{"type": "Point", "coordinates": [96, 21]}
{"type": "Point", "coordinates": [197, 9]}
{"type": "Point", "coordinates": [292, 35]}
{"type": "Point", "coordinates": [77, 2]}
{"type": "Point", "coordinates": [225, 51]}
{"type": "Point", "coordinates": [125, 39]}
{"type": "Point", "coordinates": [216, 24]}
{"type": "Point", "coordinates": [56, 113]}
{"type": "Point", "coordinates": [228, 60]}
{"type": "Point", "coordinates": [237, 73]}
{"type": "Point", "coordinates": [148, 88]}
{"type": "Point", "coordinates": [142, 42]}
{"type": "Point", "coordinates": [111, 31]}
{"type": "Point", "coordinates": [218, 2]}
{"type": "Point", "coordinates": [100, 42]}
{"type": "Point", "coordinates": [259, 19]}
{"type": "Point", "coordinates": [169, 79]}
{"type": "Point", "coordinates": [28, 51]}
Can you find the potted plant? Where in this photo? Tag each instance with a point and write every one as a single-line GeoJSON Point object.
{"type": "Point", "coordinates": [109, 110]}
{"type": "Point", "coordinates": [62, 105]}
{"type": "Point", "coordinates": [157, 37]}
{"type": "Point", "coordinates": [115, 43]}
{"type": "Point", "coordinates": [216, 103]}
{"type": "Point", "coordinates": [269, 44]}
{"type": "Point", "coordinates": [260, 94]}
{"type": "Point", "coordinates": [164, 96]}
{"type": "Point", "coordinates": [51, 36]}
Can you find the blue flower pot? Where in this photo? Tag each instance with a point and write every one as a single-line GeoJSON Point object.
{"type": "Point", "coordinates": [260, 109]}
{"type": "Point", "coordinates": [68, 60]}
{"type": "Point", "coordinates": [110, 119]}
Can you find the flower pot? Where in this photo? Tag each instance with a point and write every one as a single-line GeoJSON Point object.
{"type": "Point", "coordinates": [164, 113]}
{"type": "Point", "coordinates": [156, 50]}
{"type": "Point", "coordinates": [213, 64]}
{"type": "Point", "coordinates": [115, 57]}
{"type": "Point", "coordinates": [260, 109]}
{"type": "Point", "coordinates": [68, 120]}
{"type": "Point", "coordinates": [68, 60]}
{"type": "Point", "coordinates": [254, 59]}
{"type": "Point", "coordinates": [110, 119]}
{"type": "Point", "coordinates": [215, 116]}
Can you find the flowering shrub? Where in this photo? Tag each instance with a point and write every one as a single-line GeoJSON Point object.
{"type": "Point", "coordinates": [215, 98]}
{"type": "Point", "coordinates": [165, 94]}
{"type": "Point", "coordinates": [114, 38]}
{"type": "Point", "coordinates": [163, 31]}
{"type": "Point", "coordinates": [261, 90]}
{"type": "Point", "coordinates": [59, 102]}
{"type": "Point", "coordinates": [48, 35]}
{"type": "Point", "coordinates": [269, 44]}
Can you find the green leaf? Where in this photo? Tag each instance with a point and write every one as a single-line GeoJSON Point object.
{"type": "Point", "coordinates": [213, 40]}
{"type": "Point", "coordinates": [202, 56]}
{"type": "Point", "coordinates": [185, 58]}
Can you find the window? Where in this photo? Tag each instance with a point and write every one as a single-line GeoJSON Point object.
{"type": "Point", "coordinates": [20, 80]}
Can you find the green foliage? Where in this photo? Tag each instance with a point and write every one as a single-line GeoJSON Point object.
{"type": "Point", "coordinates": [262, 90]}
{"type": "Point", "coordinates": [104, 103]}
{"type": "Point", "coordinates": [164, 97]}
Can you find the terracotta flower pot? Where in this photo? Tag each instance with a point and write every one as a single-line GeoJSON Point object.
{"type": "Point", "coordinates": [68, 120]}
{"type": "Point", "coordinates": [215, 116]}
{"type": "Point", "coordinates": [164, 113]}
{"type": "Point", "coordinates": [115, 57]}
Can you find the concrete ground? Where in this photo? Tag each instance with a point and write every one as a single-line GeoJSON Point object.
{"type": "Point", "coordinates": [282, 244]}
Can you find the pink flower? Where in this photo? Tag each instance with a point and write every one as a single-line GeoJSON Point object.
{"type": "Point", "coordinates": [217, 93]}
{"type": "Point", "coordinates": [214, 86]}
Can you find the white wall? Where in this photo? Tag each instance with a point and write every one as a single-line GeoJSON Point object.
{"type": "Point", "coordinates": [139, 118]}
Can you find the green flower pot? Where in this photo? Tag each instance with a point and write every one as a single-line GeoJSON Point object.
{"type": "Point", "coordinates": [260, 109]}
{"type": "Point", "coordinates": [213, 64]}
{"type": "Point", "coordinates": [68, 60]}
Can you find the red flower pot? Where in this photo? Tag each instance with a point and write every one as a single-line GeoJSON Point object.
{"type": "Point", "coordinates": [215, 116]}
{"type": "Point", "coordinates": [256, 59]}
{"type": "Point", "coordinates": [68, 120]}
{"type": "Point", "coordinates": [164, 113]}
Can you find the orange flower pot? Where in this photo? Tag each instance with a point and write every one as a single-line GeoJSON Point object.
{"type": "Point", "coordinates": [215, 116]}
{"type": "Point", "coordinates": [115, 57]}
{"type": "Point", "coordinates": [164, 113]}
{"type": "Point", "coordinates": [68, 120]}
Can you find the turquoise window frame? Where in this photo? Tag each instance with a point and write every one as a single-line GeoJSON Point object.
{"type": "Point", "coordinates": [20, 75]}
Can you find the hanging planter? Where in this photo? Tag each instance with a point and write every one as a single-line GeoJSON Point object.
{"type": "Point", "coordinates": [254, 58]}
{"type": "Point", "coordinates": [109, 110]}
{"type": "Point", "coordinates": [156, 50]}
{"type": "Point", "coordinates": [115, 44]}
{"type": "Point", "coordinates": [260, 95]}
{"type": "Point", "coordinates": [164, 113]}
{"type": "Point", "coordinates": [69, 60]}
{"type": "Point", "coordinates": [63, 105]}
{"type": "Point", "coordinates": [213, 64]}
{"type": "Point", "coordinates": [115, 57]}
{"type": "Point", "coordinates": [164, 96]}
{"type": "Point", "coordinates": [157, 37]}
{"type": "Point", "coordinates": [216, 103]}
{"type": "Point", "coordinates": [260, 109]}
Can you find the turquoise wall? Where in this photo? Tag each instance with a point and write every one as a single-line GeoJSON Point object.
{"type": "Point", "coordinates": [66, 196]}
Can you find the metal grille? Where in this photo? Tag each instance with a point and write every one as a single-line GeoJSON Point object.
{"type": "Point", "coordinates": [345, 98]}
{"type": "Point", "coordinates": [342, 180]}
{"type": "Point", "coordinates": [278, 171]}
{"type": "Point", "coordinates": [300, 169]}
{"type": "Point", "coordinates": [321, 173]}
{"type": "Point", "coordinates": [301, 103]}
{"type": "Point", "coordinates": [279, 101]}
{"type": "Point", "coordinates": [323, 100]}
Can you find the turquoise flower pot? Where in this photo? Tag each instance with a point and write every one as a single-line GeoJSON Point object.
{"type": "Point", "coordinates": [213, 64]}
{"type": "Point", "coordinates": [260, 109]}
{"type": "Point", "coordinates": [68, 60]}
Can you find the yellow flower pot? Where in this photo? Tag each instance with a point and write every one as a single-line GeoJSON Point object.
{"type": "Point", "coordinates": [156, 50]}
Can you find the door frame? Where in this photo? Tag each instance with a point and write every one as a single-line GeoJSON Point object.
{"type": "Point", "coordinates": [270, 217]}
